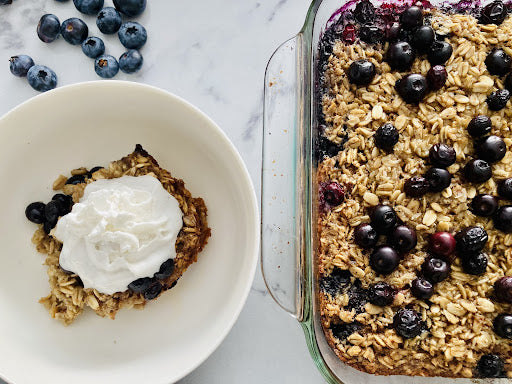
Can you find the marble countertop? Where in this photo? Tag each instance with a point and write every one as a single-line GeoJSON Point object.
{"type": "Point", "coordinates": [213, 54]}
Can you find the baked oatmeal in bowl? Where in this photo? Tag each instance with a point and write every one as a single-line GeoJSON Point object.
{"type": "Point", "coordinates": [174, 332]}
{"type": "Point", "coordinates": [408, 269]}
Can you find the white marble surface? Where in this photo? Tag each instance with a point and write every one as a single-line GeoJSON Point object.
{"type": "Point", "coordinates": [212, 53]}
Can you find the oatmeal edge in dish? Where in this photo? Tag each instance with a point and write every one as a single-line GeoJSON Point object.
{"type": "Point", "coordinates": [415, 189]}
{"type": "Point", "coordinates": [110, 246]}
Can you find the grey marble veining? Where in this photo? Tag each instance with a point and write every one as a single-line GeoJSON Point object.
{"type": "Point", "coordinates": [213, 54]}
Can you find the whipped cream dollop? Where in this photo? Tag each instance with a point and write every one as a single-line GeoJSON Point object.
{"type": "Point", "coordinates": [121, 230]}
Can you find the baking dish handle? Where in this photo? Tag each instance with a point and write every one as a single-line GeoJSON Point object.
{"type": "Point", "coordinates": [281, 251]}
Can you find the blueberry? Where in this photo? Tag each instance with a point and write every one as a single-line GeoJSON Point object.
{"type": "Point", "coordinates": [484, 205]}
{"type": "Point", "coordinates": [35, 212]}
{"type": "Point", "coordinates": [76, 179]}
{"type": "Point", "coordinates": [153, 291]}
{"type": "Point", "coordinates": [48, 225]}
{"type": "Point", "coordinates": [392, 31]}
{"type": "Point", "coordinates": [132, 35]}
{"type": "Point", "coordinates": [407, 323]}
{"type": "Point", "coordinates": [422, 288]}
{"type": "Point", "coordinates": [474, 263]}
{"type": "Point", "coordinates": [442, 244]}
{"type": "Point", "coordinates": [439, 52]}
{"type": "Point", "coordinates": [364, 12]}
{"type": "Point", "coordinates": [5, 2]}
{"type": "Point", "coordinates": [412, 88]}
{"type": "Point", "coordinates": [41, 78]}
{"type": "Point", "coordinates": [130, 8]}
{"type": "Point", "coordinates": [130, 61]}
{"type": "Point", "coordinates": [89, 7]}
{"type": "Point", "coordinates": [336, 281]}
{"type": "Point", "coordinates": [383, 219]}
{"type": "Point", "coordinates": [493, 13]}
{"type": "Point", "coordinates": [386, 137]}
{"type": "Point", "coordinates": [93, 47]}
{"type": "Point", "coordinates": [503, 326]}
{"type": "Point", "coordinates": [333, 194]}
{"type": "Point", "coordinates": [326, 148]}
{"type": "Point", "coordinates": [365, 236]}
{"type": "Point", "coordinates": [508, 82]}
{"type": "Point", "coordinates": [503, 289]}
{"type": "Point", "coordinates": [371, 34]}
{"type": "Point", "coordinates": [490, 366]}
{"type": "Point", "coordinates": [357, 297]}
{"type": "Point", "coordinates": [384, 260]}
{"type": "Point", "coordinates": [479, 126]}
{"type": "Point", "coordinates": [74, 30]}
{"type": "Point", "coordinates": [422, 38]}
{"type": "Point", "coordinates": [436, 77]}
{"type": "Point", "coordinates": [477, 171]}
{"type": "Point", "coordinates": [52, 211]}
{"type": "Point", "coordinates": [498, 100]}
{"type": "Point", "coordinates": [491, 149]}
{"type": "Point", "coordinates": [411, 18]}
{"type": "Point", "coordinates": [343, 330]}
{"type": "Point", "coordinates": [48, 28]}
{"type": "Point", "coordinates": [94, 169]}
{"type": "Point", "coordinates": [106, 66]}
{"type": "Point", "coordinates": [505, 188]}
{"type": "Point", "coordinates": [19, 65]}
{"type": "Point", "coordinates": [140, 285]}
{"type": "Point", "coordinates": [403, 239]}
{"type": "Point", "coordinates": [166, 270]}
{"type": "Point", "coordinates": [416, 186]}
{"type": "Point", "coordinates": [436, 270]}
{"type": "Point", "coordinates": [498, 62]}
{"type": "Point", "coordinates": [503, 219]}
{"type": "Point", "coordinates": [109, 21]}
{"type": "Point", "coordinates": [438, 178]}
{"type": "Point", "coordinates": [361, 72]}
{"type": "Point", "coordinates": [381, 294]}
{"type": "Point", "coordinates": [65, 202]}
{"type": "Point", "coordinates": [442, 155]}
{"type": "Point", "coordinates": [471, 239]}
{"type": "Point", "coordinates": [400, 56]}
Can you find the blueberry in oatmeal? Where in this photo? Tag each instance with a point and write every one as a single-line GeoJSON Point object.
{"type": "Point", "coordinates": [438, 179]}
{"type": "Point", "coordinates": [403, 239]}
{"type": "Point", "coordinates": [505, 188]}
{"type": "Point", "coordinates": [400, 56]}
{"type": "Point", "coordinates": [442, 244]}
{"type": "Point", "coordinates": [484, 205]}
{"type": "Point", "coordinates": [381, 294]}
{"type": "Point", "coordinates": [422, 289]}
{"type": "Point", "coordinates": [503, 325]}
{"type": "Point", "coordinates": [411, 17]}
{"type": "Point", "coordinates": [436, 270]}
{"type": "Point", "coordinates": [442, 155]}
{"type": "Point", "coordinates": [408, 323]}
{"type": "Point", "coordinates": [477, 171]}
{"type": "Point", "coordinates": [166, 270]}
{"type": "Point", "coordinates": [412, 88]}
{"type": "Point", "coordinates": [361, 72]}
{"type": "Point", "coordinates": [436, 77]}
{"type": "Point", "coordinates": [503, 219]}
{"type": "Point", "coordinates": [503, 289]}
{"type": "Point", "coordinates": [498, 62]}
{"type": "Point", "coordinates": [490, 366]}
{"type": "Point", "coordinates": [75, 179]}
{"type": "Point", "coordinates": [364, 12]}
{"type": "Point", "coordinates": [35, 212]}
{"type": "Point", "coordinates": [498, 100]}
{"type": "Point", "coordinates": [366, 236]}
{"type": "Point", "coordinates": [471, 239]}
{"type": "Point", "coordinates": [479, 126]}
{"type": "Point", "coordinates": [423, 38]}
{"type": "Point", "coordinates": [494, 13]}
{"type": "Point", "coordinates": [386, 137]}
{"type": "Point", "coordinates": [474, 263]}
{"type": "Point", "coordinates": [416, 186]}
{"type": "Point", "coordinates": [384, 260]}
{"type": "Point", "coordinates": [491, 149]}
{"type": "Point", "coordinates": [439, 52]}
{"type": "Point", "coordinates": [383, 219]}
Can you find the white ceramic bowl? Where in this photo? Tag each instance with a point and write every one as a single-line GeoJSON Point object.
{"type": "Point", "coordinates": [91, 124]}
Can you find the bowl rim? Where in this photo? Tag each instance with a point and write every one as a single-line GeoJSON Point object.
{"type": "Point", "coordinates": [254, 207]}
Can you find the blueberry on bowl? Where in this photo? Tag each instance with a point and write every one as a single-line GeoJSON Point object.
{"type": "Point", "coordinates": [132, 35]}
{"type": "Point", "coordinates": [41, 78]}
{"type": "Point", "coordinates": [20, 64]}
{"type": "Point", "coordinates": [130, 61]}
{"type": "Point", "coordinates": [109, 20]}
{"type": "Point", "coordinates": [106, 66]}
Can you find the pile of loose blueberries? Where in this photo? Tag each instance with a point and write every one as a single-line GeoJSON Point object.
{"type": "Point", "coordinates": [75, 31]}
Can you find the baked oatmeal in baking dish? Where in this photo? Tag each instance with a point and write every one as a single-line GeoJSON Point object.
{"type": "Point", "coordinates": [116, 236]}
{"type": "Point", "coordinates": [414, 186]}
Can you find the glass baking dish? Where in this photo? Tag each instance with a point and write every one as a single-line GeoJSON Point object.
{"type": "Point", "coordinates": [288, 179]}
